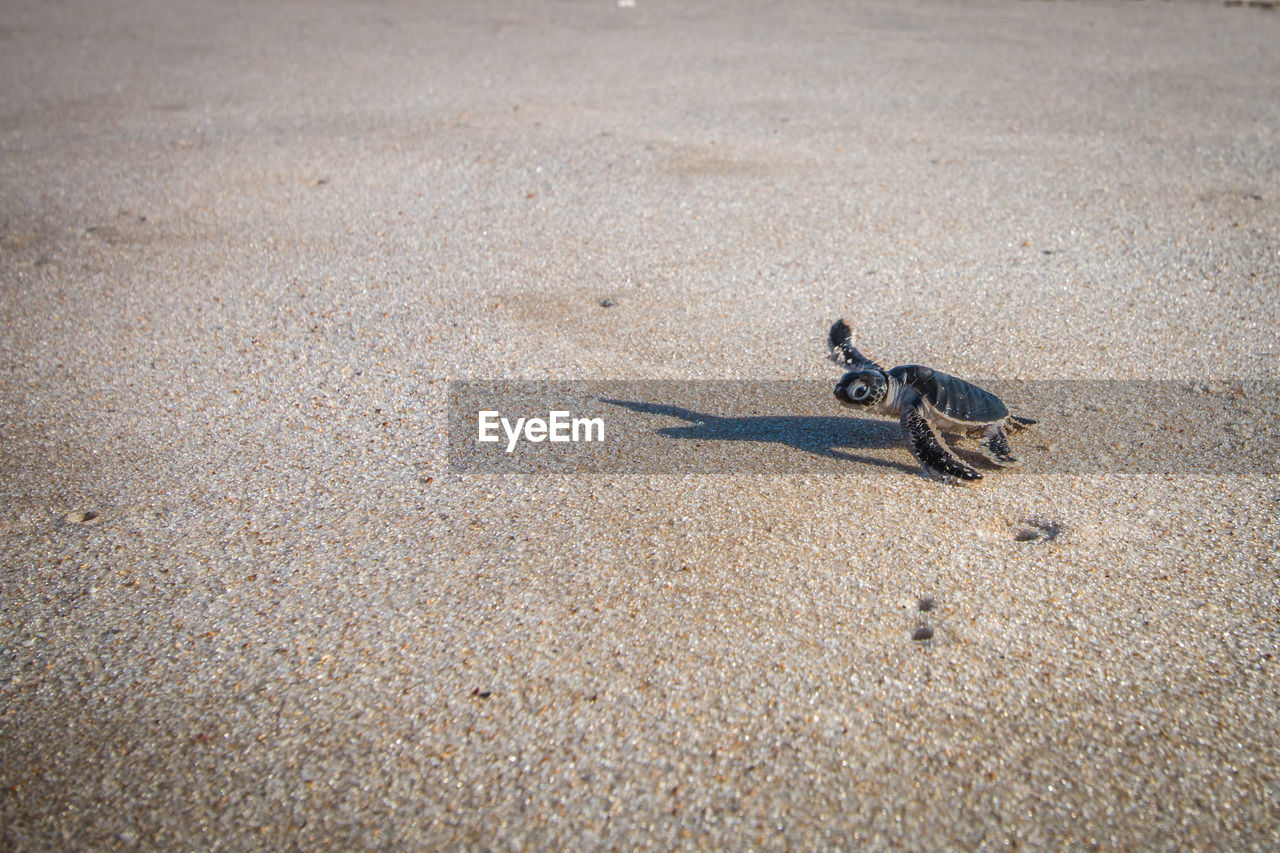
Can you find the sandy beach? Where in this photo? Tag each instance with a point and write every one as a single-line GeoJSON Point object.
{"type": "Point", "coordinates": [252, 597]}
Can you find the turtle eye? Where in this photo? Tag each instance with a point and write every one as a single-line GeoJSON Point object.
{"type": "Point", "coordinates": [859, 392]}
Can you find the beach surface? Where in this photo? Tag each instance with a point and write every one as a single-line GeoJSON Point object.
{"type": "Point", "coordinates": [251, 597]}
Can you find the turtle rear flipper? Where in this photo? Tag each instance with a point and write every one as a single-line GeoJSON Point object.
{"type": "Point", "coordinates": [927, 447]}
{"type": "Point", "coordinates": [995, 446]}
{"type": "Point", "coordinates": [1016, 422]}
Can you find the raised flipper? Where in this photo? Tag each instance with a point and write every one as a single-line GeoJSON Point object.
{"type": "Point", "coordinates": [840, 341]}
{"type": "Point", "coordinates": [922, 437]}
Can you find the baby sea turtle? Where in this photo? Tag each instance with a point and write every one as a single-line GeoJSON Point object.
{"type": "Point", "coordinates": [926, 401]}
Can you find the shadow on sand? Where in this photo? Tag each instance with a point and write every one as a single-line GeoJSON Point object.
{"type": "Point", "coordinates": [822, 436]}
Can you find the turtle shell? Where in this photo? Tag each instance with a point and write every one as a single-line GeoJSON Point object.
{"type": "Point", "coordinates": [954, 398]}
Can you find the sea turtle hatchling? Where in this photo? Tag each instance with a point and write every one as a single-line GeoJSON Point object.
{"type": "Point", "coordinates": [926, 401]}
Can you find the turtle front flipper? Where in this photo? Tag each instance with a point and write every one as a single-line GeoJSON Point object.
{"type": "Point", "coordinates": [995, 446]}
{"type": "Point", "coordinates": [922, 437]}
{"type": "Point", "coordinates": [840, 342]}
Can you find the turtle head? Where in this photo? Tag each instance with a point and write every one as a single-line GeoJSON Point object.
{"type": "Point", "coordinates": [862, 388]}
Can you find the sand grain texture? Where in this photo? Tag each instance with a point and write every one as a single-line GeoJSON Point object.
{"type": "Point", "coordinates": [245, 603]}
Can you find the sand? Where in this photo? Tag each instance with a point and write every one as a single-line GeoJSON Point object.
{"type": "Point", "coordinates": [247, 602]}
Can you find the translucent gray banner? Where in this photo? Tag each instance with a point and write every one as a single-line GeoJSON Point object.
{"type": "Point", "coordinates": [788, 427]}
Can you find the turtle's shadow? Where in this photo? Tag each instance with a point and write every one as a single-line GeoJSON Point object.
{"type": "Point", "coordinates": [821, 436]}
